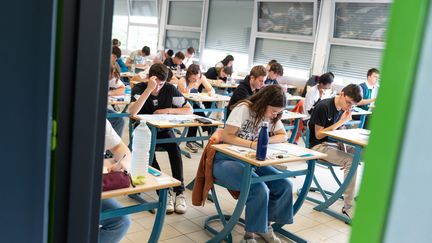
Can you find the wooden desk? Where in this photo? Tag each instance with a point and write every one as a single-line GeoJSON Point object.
{"type": "Point", "coordinates": [127, 75]}
{"type": "Point", "coordinates": [309, 156]}
{"type": "Point", "coordinates": [204, 97]}
{"type": "Point", "coordinates": [289, 115]}
{"type": "Point", "coordinates": [359, 139]}
{"type": "Point", "coordinates": [152, 183]}
{"type": "Point", "coordinates": [221, 84]}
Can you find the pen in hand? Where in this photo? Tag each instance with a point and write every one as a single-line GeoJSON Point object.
{"type": "Point", "coordinates": [116, 163]}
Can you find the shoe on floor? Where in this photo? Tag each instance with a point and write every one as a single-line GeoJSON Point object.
{"type": "Point", "coordinates": [170, 204]}
{"type": "Point", "coordinates": [270, 236]}
{"type": "Point", "coordinates": [191, 148]}
{"type": "Point", "coordinates": [347, 211]}
{"type": "Point", "coordinates": [180, 204]}
{"type": "Point", "coordinates": [248, 239]}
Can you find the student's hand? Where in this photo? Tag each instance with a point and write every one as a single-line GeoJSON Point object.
{"type": "Point", "coordinates": [162, 111]}
{"type": "Point", "coordinates": [151, 83]}
{"type": "Point", "coordinates": [346, 116]}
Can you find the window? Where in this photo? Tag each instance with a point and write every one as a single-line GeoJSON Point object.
{"type": "Point", "coordinates": [183, 25]}
{"type": "Point", "coordinates": [286, 17]}
{"type": "Point", "coordinates": [120, 22]}
{"type": "Point", "coordinates": [357, 38]}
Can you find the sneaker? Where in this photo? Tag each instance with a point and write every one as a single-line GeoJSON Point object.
{"type": "Point", "coordinates": [191, 148]}
{"type": "Point", "coordinates": [180, 204]}
{"type": "Point", "coordinates": [270, 236]}
{"type": "Point", "coordinates": [170, 205]}
{"type": "Point", "coordinates": [347, 212]}
{"type": "Point", "coordinates": [248, 239]}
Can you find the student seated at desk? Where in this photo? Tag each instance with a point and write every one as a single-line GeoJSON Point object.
{"type": "Point", "coordinates": [273, 73]}
{"type": "Point", "coordinates": [250, 85]}
{"type": "Point", "coordinates": [176, 62]}
{"type": "Point", "coordinates": [116, 87]}
{"type": "Point", "coordinates": [116, 57]}
{"type": "Point", "coordinates": [218, 73]}
{"type": "Point", "coordinates": [194, 82]}
{"type": "Point", "coordinates": [139, 57]}
{"type": "Point", "coordinates": [326, 117]}
{"type": "Point", "coordinates": [114, 229]}
{"type": "Point", "coordinates": [156, 96]}
{"type": "Point", "coordinates": [267, 201]}
{"type": "Point", "coordinates": [369, 91]}
{"type": "Point", "coordinates": [226, 62]}
{"type": "Point", "coordinates": [143, 77]}
{"type": "Point", "coordinates": [322, 90]}
{"type": "Point", "coordinates": [189, 54]}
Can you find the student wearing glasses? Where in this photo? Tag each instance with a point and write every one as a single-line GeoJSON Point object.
{"type": "Point", "coordinates": [270, 201]}
{"type": "Point", "coordinates": [157, 96]}
{"type": "Point", "coordinates": [328, 115]}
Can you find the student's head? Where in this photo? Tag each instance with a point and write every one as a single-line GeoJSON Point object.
{"type": "Point", "coordinates": [190, 52]}
{"type": "Point", "coordinates": [349, 96]}
{"type": "Point", "coordinates": [373, 76]}
{"type": "Point", "coordinates": [270, 63]}
{"type": "Point", "coordinates": [178, 58]}
{"type": "Point", "coordinates": [116, 42]}
{"type": "Point", "coordinates": [224, 72]}
{"type": "Point", "coordinates": [116, 52]}
{"type": "Point", "coordinates": [228, 61]}
{"type": "Point", "coordinates": [325, 81]}
{"type": "Point", "coordinates": [169, 53]}
{"type": "Point", "coordinates": [145, 51]}
{"type": "Point", "coordinates": [114, 71]}
{"type": "Point", "coordinates": [269, 103]}
{"type": "Point", "coordinates": [256, 77]}
{"type": "Point", "coordinates": [275, 71]}
{"type": "Point", "coordinates": [160, 71]}
{"type": "Point", "coordinates": [193, 73]}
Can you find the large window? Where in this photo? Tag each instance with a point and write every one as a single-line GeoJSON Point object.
{"type": "Point", "coordinates": [183, 25]}
{"type": "Point", "coordinates": [357, 38]}
{"type": "Point", "coordinates": [285, 31]}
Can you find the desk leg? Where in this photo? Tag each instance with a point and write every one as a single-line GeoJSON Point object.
{"type": "Point", "coordinates": [362, 121]}
{"type": "Point", "coordinates": [298, 203]}
{"type": "Point", "coordinates": [294, 130]}
{"type": "Point", "coordinates": [324, 206]}
{"type": "Point", "coordinates": [241, 202]}
{"type": "Point", "coordinates": [152, 143]}
{"type": "Point", "coordinates": [160, 216]}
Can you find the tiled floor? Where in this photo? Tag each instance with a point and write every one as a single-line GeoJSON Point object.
{"type": "Point", "coordinates": [308, 223]}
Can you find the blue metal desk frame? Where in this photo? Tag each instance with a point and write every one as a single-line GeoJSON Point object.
{"type": "Point", "coordinates": [244, 192]}
{"type": "Point", "coordinates": [144, 206]}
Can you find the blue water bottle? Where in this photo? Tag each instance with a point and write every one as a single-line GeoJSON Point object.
{"type": "Point", "coordinates": [263, 139]}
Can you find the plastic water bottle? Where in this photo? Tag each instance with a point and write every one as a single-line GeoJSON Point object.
{"type": "Point", "coordinates": [263, 138]}
{"type": "Point", "coordinates": [127, 93]}
{"type": "Point", "coordinates": [140, 150]}
{"type": "Point", "coordinates": [133, 68]}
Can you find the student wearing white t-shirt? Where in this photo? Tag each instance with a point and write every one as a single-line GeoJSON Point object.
{"type": "Point", "coordinates": [269, 201]}
{"type": "Point", "coordinates": [115, 87]}
{"type": "Point", "coordinates": [322, 90]}
{"type": "Point", "coordinates": [114, 229]}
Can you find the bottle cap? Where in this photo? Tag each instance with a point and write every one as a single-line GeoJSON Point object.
{"type": "Point", "coordinates": [265, 124]}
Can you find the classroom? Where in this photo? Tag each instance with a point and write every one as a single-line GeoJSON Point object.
{"type": "Point", "coordinates": [222, 121]}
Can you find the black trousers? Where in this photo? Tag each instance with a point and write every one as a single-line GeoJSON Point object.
{"type": "Point", "coordinates": [192, 131]}
{"type": "Point", "coordinates": [175, 159]}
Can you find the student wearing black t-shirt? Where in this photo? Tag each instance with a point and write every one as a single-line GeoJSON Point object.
{"type": "Point", "coordinates": [328, 115]}
{"type": "Point", "coordinates": [159, 97]}
{"type": "Point", "coordinates": [176, 61]}
{"type": "Point", "coordinates": [218, 73]}
{"type": "Point", "coordinates": [249, 86]}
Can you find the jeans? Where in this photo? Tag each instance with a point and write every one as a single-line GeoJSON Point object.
{"type": "Point", "coordinates": [267, 201]}
{"type": "Point", "coordinates": [117, 123]}
{"type": "Point", "coordinates": [175, 159]}
{"type": "Point", "coordinates": [113, 229]}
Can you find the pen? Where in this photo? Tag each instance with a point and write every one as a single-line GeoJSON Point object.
{"type": "Point", "coordinates": [118, 161]}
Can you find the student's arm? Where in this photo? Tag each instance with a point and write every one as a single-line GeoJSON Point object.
{"type": "Point", "coordinates": [118, 152]}
{"type": "Point", "coordinates": [366, 101]}
{"type": "Point", "coordinates": [117, 91]}
{"type": "Point", "coordinates": [279, 136]}
{"type": "Point", "coordinates": [308, 102]}
{"type": "Point", "coordinates": [207, 86]}
{"type": "Point", "coordinates": [136, 106]}
{"type": "Point", "coordinates": [174, 80]}
{"type": "Point", "coordinates": [182, 86]}
{"type": "Point", "coordinates": [185, 110]}
{"type": "Point", "coordinates": [129, 61]}
{"type": "Point", "coordinates": [229, 136]}
{"type": "Point", "coordinates": [346, 116]}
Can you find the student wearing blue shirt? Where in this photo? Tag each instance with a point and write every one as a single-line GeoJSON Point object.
{"type": "Point", "coordinates": [116, 56]}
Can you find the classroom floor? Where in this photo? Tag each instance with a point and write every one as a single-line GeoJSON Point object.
{"type": "Point", "coordinates": [308, 223]}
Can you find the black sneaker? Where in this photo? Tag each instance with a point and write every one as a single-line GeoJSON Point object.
{"type": "Point", "coordinates": [191, 148]}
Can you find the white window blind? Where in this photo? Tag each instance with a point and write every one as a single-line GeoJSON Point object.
{"type": "Point", "coordinates": [120, 8]}
{"type": "Point", "coordinates": [181, 40]}
{"type": "Point", "coordinates": [229, 25]}
{"type": "Point", "coordinates": [143, 8]}
{"type": "Point", "coordinates": [361, 21]}
{"type": "Point", "coordinates": [290, 54]}
{"type": "Point", "coordinates": [185, 13]}
{"type": "Point", "coordinates": [354, 62]}
{"type": "Point", "coordinates": [286, 17]}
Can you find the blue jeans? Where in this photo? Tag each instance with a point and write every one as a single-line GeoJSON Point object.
{"type": "Point", "coordinates": [267, 201]}
{"type": "Point", "coordinates": [113, 229]}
